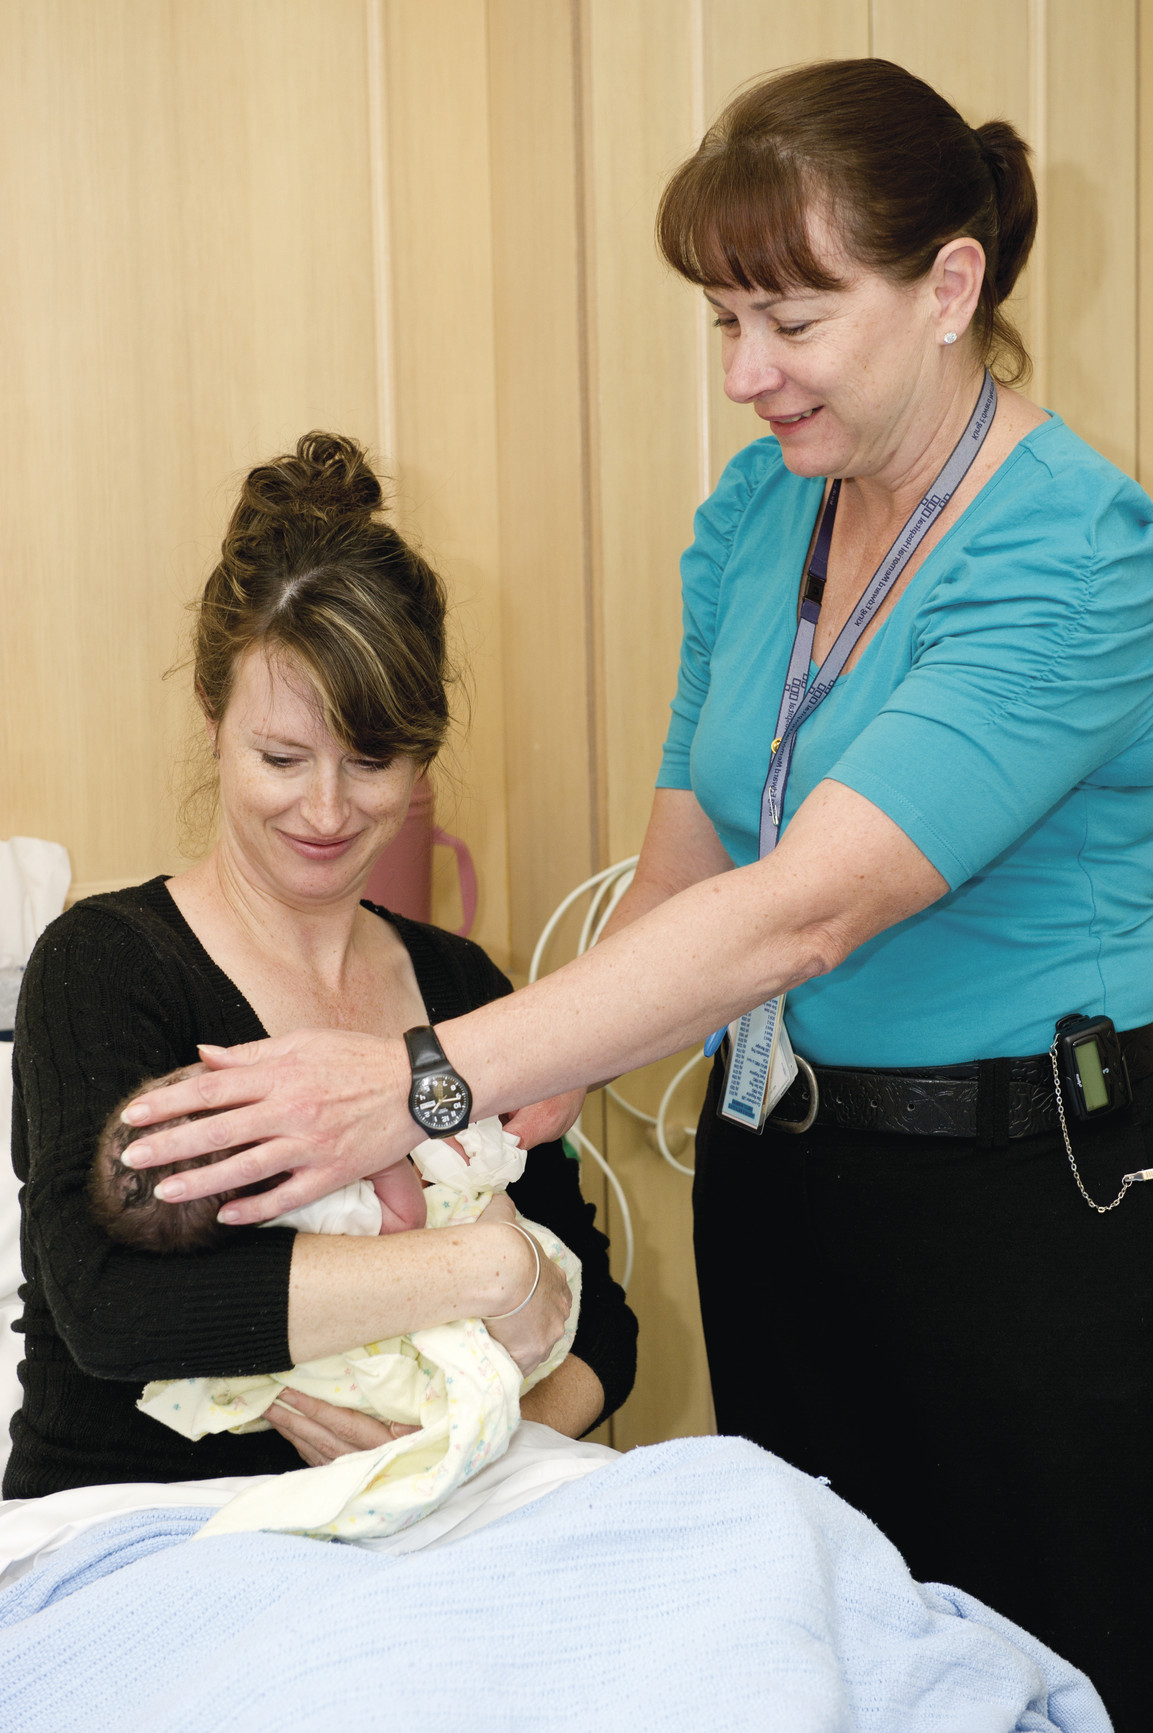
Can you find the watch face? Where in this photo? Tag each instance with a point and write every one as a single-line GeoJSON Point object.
{"type": "Point", "coordinates": [440, 1103]}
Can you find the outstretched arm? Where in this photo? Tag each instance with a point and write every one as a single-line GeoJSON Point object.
{"type": "Point", "coordinates": [333, 1106]}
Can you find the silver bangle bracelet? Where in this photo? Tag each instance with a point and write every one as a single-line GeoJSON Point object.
{"type": "Point", "coordinates": [495, 1317]}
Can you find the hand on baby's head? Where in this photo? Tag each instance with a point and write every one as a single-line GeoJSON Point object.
{"type": "Point", "coordinates": [123, 1200]}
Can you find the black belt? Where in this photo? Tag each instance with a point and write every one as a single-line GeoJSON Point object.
{"type": "Point", "coordinates": [992, 1100]}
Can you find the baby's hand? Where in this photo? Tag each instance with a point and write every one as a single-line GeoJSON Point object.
{"type": "Point", "coordinates": [401, 1196]}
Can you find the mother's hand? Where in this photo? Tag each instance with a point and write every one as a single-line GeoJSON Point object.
{"type": "Point", "coordinates": [545, 1120]}
{"type": "Point", "coordinates": [321, 1107]}
{"type": "Point", "coordinates": [321, 1432]}
{"type": "Point", "coordinates": [531, 1334]}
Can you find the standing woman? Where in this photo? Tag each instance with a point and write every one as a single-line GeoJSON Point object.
{"type": "Point", "coordinates": [927, 1293]}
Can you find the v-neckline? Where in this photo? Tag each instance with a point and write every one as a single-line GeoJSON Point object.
{"type": "Point", "coordinates": [983, 492]}
{"type": "Point", "coordinates": [187, 932]}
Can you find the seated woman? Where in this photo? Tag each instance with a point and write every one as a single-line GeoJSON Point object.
{"type": "Point", "coordinates": [320, 667]}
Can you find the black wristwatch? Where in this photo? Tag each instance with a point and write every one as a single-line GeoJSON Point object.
{"type": "Point", "coordinates": [440, 1100]}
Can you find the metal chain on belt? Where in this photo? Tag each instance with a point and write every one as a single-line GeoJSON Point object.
{"type": "Point", "coordinates": [1101, 1208]}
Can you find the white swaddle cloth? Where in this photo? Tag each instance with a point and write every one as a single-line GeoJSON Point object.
{"type": "Point", "coordinates": [454, 1382]}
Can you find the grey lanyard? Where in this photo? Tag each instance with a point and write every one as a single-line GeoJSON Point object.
{"type": "Point", "coordinates": [797, 704]}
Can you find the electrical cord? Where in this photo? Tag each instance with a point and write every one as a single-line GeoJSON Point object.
{"type": "Point", "coordinates": [563, 908]}
{"type": "Point", "coordinates": [605, 890]}
{"type": "Point", "coordinates": [662, 1115]}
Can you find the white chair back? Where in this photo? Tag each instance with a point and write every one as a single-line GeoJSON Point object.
{"type": "Point", "coordinates": [34, 880]}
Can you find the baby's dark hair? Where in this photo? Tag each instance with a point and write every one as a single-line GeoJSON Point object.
{"type": "Point", "coordinates": [123, 1201]}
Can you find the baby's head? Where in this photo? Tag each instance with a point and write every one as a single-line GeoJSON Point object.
{"type": "Point", "coordinates": [123, 1199]}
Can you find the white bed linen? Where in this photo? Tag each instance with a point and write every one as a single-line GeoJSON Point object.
{"type": "Point", "coordinates": [538, 1460]}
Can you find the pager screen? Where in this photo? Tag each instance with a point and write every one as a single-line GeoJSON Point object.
{"type": "Point", "coordinates": [1093, 1086]}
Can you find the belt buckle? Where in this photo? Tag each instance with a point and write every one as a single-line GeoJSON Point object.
{"type": "Point", "coordinates": [797, 1126]}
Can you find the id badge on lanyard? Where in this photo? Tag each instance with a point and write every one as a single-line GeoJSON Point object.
{"type": "Point", "coordinates": [760, 1064]}
{"type": "Point", "coordinates": [760, 1067]}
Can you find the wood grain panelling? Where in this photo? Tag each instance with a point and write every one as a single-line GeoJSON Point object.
{"type": "Point", "coordinates": [445, 464]}
{"type": "Point", "coordinates": [646, 418]}
{"type": "Point", "coordinates": [541, 370]}
{"type": "Point", "coordinates": [952, 52]}
{"type": "Point", "coordinates": [1089, 184]}
{"type": "Point", "coordinates": [672, 1398]}
{"type": "Point", "coordinates": [186, 286]}
{"type": "Point", "coordinates": [647, 464]}
{"type": "Point", "coordinates": [1145, 244]}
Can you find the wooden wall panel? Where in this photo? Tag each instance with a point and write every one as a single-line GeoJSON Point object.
{"type": "Point", "coordinates": [646, 413]}
{"type": "Point", "coordinates": [672, 1397]}
{"type": "Point", "coordinates": [950, 50]}
{"type": "Point", "coordinates": [647, 479]}
{"type": "Point", "coordinates": [541, 350]}
{"type": "Point", "coordinates": [1145, 244]}
{"type": "Point", "coordinates": [443, 368]}
{"type": "Point", "coordinates": [1089, 186]}
{"type": "Point", "coordinates": [186, 265]}
{"type": "Point", "coordinates": [541, 371]}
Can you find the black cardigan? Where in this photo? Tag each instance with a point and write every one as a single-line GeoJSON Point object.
{"type": "Point", "coordinates": [117, 990]}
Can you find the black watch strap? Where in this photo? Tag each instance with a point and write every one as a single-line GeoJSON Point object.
{"type": "Point", "coordinates": [425, 1052]}
{"type": "Point", "coordinates": [439, 1099]}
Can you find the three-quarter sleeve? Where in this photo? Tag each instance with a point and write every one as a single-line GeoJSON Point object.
{"type": "Point", "coordinates": [1011, 703]}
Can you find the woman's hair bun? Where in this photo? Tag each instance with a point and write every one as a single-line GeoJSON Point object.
{"type": "Point", "coordinates": [1007, 157]}
{"type": "Point", "coordinates": [312, 572]}
{"type": "Point", "coordinates": [327, 476]}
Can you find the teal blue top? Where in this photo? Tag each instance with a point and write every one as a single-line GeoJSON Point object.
{"type": "Point", "coordinates": [1002, 716]}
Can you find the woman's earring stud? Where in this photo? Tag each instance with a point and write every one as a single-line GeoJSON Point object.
{"type": "Point", "coordinates": [950, 336]}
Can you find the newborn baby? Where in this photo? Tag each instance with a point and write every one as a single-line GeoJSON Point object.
{"type": "Point", "coordinates": [453, 1384]}
{"type": "Point", "coordinates": [123, 1201]}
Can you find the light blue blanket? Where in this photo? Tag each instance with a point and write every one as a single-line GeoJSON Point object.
{"type": "Point", "coordinates": [693, 1585]}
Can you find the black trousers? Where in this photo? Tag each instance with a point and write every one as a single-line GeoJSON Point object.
{"type": "Point", "coordinates": [963, 1347]}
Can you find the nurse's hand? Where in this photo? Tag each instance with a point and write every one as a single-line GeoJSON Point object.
{"type": "Point", "coordinates": [321, 1432]}
{"type": "Point", "coordinates": [318, 1108]}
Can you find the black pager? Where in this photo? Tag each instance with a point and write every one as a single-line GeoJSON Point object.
{"type": "Point", "coordinates": [1094, 1076]}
